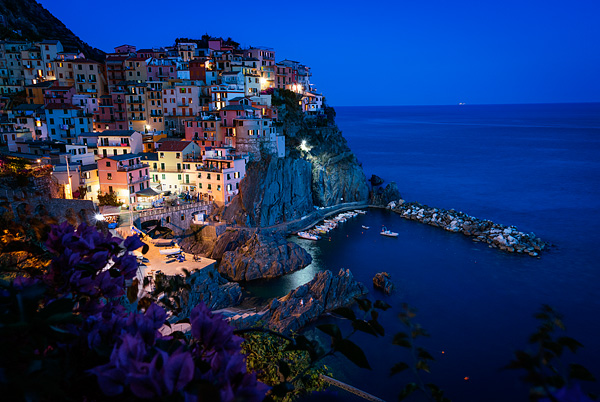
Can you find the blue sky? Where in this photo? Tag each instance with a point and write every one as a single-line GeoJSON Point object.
{"type": "Point", "coordinates": [418, 52]}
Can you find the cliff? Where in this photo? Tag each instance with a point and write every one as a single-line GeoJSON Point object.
{"type": "Point", "coordinates": [319, 170]}
{"type": "Point", "coordinates": [36, 23]}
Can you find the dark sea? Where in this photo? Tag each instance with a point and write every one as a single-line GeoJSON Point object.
{"type": "Point", "coordinates": [533, 166]}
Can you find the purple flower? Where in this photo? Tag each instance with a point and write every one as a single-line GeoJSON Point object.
{"type": "Point", "coordinates": [132, 243]}
{"type": "Point", "coordinates": [213, 332]}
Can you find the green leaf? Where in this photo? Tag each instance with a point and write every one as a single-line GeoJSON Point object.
{"type": "Point", "coordinates": [554, 347]}
{"type": "Point", "coordinates": [569, 342]}
{"type": "Point", "coordinates": [345, 312]}
{"type": "Point", "coordinates": [408, 389]}
{"type": "Point", "coordinates": [57, 307]}
{"type": "Point", "coordinates": [377, 326]}
{"type": "Point", "coordinates": [364, 304]}
{"type": "Point", "coordinates": [352, 351]}
{"type": "Point", "coordinates": [363, 326]}
{"type": "Point", "coordinates": [397, 368]}
{"type": "Point", "coordinates": [423, 354]}
{"type": "Point", "coordinates": [422, 365]}
{"type": "Point", "coordinates": [331, 330]}
{"type": "Point", "coordinates": [578, 372]}
{"type": "Point", "coordinates": [401, 339]}
{"type": "Point", "coordinates": [381, 305]}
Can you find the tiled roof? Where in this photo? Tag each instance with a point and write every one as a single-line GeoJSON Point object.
{"type": "Point", "coordinates": [61, 106]}
{"type": "Point", "coordinates": [123, 157]}
{"type": "Point", "coordinates": [238, 107]}
{"type": "Point", "coordinates": [28, 106]}
{"type": "Point", "coordinates": [173, 145]}
{"type": "Point", "coordinates": [117, 133]}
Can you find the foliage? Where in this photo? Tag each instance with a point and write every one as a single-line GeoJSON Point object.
{"type": "Point", "coordinates": [544, 369]}
{"type": "Point", "coordinates": [65, 335]}
{"type": "Point", "coordinates": [21, 170]}
{"type": "Point", "coordinates": [267, 355]}
{"type": "Point", "coordinates": [81, 192]}
{"type": "Point", "coordinates": [421, 358]}
{"type": "Point", "coordinates": [108, 199]}
{"type": "Point", "coordinates": [287, 98]}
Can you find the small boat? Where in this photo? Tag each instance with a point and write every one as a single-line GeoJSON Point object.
{"type": "Point", "coordinates": [308, 236]}
{"type": "Point", "coordinates": [387, 232]}
{"type": "Point", "coordinates": [365, 227]}
{"type": "Point", "coordinates": [360, 211]}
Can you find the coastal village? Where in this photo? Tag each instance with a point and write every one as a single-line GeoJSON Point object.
{"type": "Point", "coordinates": [191, 147]}
{"type": "Point", "coordinates": [183, 119]}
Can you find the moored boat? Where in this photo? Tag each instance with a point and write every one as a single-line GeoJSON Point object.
{"type": "Point", "coordinates": [365, 227]}
{"type": "Point", "coordinates": [388, 233]}
{"type": "Point", "coordinates": [308, 236]}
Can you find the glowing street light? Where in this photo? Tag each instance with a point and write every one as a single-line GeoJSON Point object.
{"type": "Point", "coordinates": [304, 146]}
{"type": "Point", "coordinates": [99, 217]}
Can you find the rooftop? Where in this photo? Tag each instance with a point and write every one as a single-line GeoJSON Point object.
{"type": "Point", "coordinates": [117, 133]}
{"type": "Point", "coordinates": [172, 145]}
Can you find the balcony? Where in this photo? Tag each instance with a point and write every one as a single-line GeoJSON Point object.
{"type": "Point", "coordinates": [136, 101]}
{"type": "Point", "coordinates": [80, 80]}
{"type": "Point", "coordinates": [134, 180]}
{"type": "Point", "coordinates": [127, 168]}
{"type": "Point", "coordinates": [195, 159]}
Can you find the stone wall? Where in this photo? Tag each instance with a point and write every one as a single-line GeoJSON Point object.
{"type": "Point", "coordinates": [171, 217]}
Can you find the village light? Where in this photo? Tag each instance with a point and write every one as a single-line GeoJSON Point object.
{"type": "Point", "coordinates": [99, 217]}
{"type": "Point", "coordinates": [304, 147]}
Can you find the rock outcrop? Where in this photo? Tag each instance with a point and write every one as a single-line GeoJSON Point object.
{"type": "Point", "coordinates": [274, 190]}
{"type": "Point", "coordinates": [506, 238]}
{"type": "Point", "coordinates": [261, 256]}
{"type": "Point", "coordinates": [382, 196]}
{"type": "Point", "coordinates": [319, 170]}
{"type": "Point", "coordinates": [383, 282]}
{"type": "Point", "coordinates": [208, 286]}
{"type": "Point", "coordinates": [324, 293]}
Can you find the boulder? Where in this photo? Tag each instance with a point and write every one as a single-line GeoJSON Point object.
{"type": "Point", "coordinates": [383, 282]}
{"type": "Point", "coordinates": [262, 256]}
{"type": "Point", "coordinates": [324, 293]}
{"type": "Point", "coordinates": [383, 196]}
{"type": "Point", "coordinates": [206, 285]}
{"type": "Point", "coordinates": [376, 180]}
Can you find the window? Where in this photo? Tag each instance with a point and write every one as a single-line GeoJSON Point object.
{"type": "Point", "coordinates": [177, 155]}
{"type": "Point", "coordinates": [162, 155]}
{"type": "Point", "coordinates": [209, 186]}
{"type": "Point", "coordinates": [178, 177]}
{"type": "Point", "coordinates": [168, 219]}
{"type": "Point", "coordinates": [229, 187]}
{"type": "Point", "coordinates": [182, 217]}
{"type": "Point", "coordinates": [208, 176]}
{"type": "Point", "coordinates": [107, 164]}
{"type": "Point", "coordinates": [131, 190]}
{"type": "Point", "coordinates": [218, 187]}
{"type": "Point", "coordinates": [199, 185]}
{"type": "Point", "coordinates": [164, 176]}
{"type": "Point", "coordinates": [109, 176]}
{"type": "Point", "coordinates": [110, 189]}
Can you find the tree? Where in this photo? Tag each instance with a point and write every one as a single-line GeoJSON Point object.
{"type": "Point", "coordinates": [108, 199]}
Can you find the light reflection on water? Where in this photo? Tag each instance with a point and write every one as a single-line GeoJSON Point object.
{"type": "Point", "coordinates": [278, 287]}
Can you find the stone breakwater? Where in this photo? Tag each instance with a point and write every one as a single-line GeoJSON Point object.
{"type": "Point", "coordinates": [506, 238]}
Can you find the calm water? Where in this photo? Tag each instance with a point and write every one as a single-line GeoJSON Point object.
{"type": "Point", "coordinates": [533, 166]}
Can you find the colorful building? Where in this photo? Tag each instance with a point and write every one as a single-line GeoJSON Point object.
{"type": "Point", "coordinates": [124, 175]}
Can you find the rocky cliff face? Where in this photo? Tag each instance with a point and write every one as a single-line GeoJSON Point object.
{"type": "Point", "coordinates": [36, 23]}
{"type": "Point", "coordinates": [274, 190]}
{"type": "Point", "coordinates": [319, 170]}
{"type": "Point", "coordinates": [206, 285]}
{"type": "Point", "coordinates": [324, 293]}
{"type": "Point", "coordinates": [263, 256]}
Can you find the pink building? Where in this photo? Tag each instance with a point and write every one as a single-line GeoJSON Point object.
{"type": "Point", "coordinates": [59, 94]}
{"type": "Point", "coordinates": [125, 175]}
{"type": "Point", "coordinates": [161, 69]}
